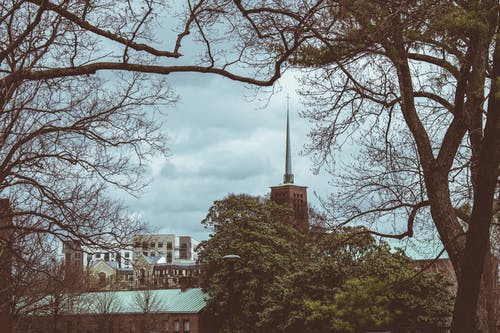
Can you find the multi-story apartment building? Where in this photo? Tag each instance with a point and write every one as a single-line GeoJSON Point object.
{"type": "Point", "coordinates": [155, 245]}
{"type": "Point", "coordinates": [185, 246]}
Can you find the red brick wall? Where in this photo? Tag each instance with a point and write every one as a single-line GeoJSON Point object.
{"type": "Point", "coordinates": [110, 323]}
{"type": "Point", "coordinates": [294, 197]}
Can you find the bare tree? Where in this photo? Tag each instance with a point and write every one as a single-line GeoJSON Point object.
{"type": "Point", "coordinates": [149, 302]}
{"type": "Point", "coordinates": [81, 87]}
{"type": "Point", "coordinates": [103, 306]}
{"type": "Point", "coordinates": [41, 293]}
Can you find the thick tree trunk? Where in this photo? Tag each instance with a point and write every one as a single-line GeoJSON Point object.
{"type": "Point", "coordinates": [436, 172]}
{"type": "Point", "coordinates": [490, 283]}
{"type": "Point", "coordinates": [476, 248]}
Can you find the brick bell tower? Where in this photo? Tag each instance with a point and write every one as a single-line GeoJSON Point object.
{"type": "Point", "coordinates": [288, 193]}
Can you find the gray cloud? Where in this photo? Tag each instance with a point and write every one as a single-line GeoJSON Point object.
{"type": "Point", "coordinates": [220, 143]}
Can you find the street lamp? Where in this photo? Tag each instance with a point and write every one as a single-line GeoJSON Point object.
{"type": "Point", "coordinates": [231, 259]}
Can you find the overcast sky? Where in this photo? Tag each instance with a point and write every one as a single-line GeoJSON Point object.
{"type": "Point", "coordinates": [221, 141]}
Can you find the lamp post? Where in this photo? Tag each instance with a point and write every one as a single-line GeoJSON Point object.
{"type": "Point", "coordinates": [231, 259]}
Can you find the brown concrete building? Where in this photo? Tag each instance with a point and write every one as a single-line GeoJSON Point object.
{"type": "Point", "coordinates": [290, 194]}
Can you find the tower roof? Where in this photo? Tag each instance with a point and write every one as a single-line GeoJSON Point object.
{"type": "Point", "coordinates": [288, 176]}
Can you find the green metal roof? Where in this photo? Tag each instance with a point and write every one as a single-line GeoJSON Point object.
{"type": "Point", "coordinates": [161, 301]}
{"type": "Point", "coordinates": [165, 300]}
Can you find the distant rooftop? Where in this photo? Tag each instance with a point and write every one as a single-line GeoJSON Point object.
{"type": "Point", "coordinates": [170, 301]}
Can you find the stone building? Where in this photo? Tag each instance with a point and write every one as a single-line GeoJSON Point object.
{"type": "Point", "coordinates": [158, 272]}
{"type": "Point", "coordinates": [108, 275]}
{"type": "Point", "coordinates": [153, 260]}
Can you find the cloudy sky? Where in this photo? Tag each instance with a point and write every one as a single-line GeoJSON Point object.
{"type": "Point", "coordinates": [221, 141]}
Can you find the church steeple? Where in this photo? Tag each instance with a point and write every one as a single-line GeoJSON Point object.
{"type": "Point", "coordinates": [288, 176]}
{"type": "Point", "coordinates": [288, 193]}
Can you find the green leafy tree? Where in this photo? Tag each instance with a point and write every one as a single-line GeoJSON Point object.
{"type": "Point", "coordinates": [269, 249]}
{"type": "Point", "coordinates": [359, 305]}
{"type": "Point", "coordinates": [353, 283]}
{"type": "Point", "coordinates": [344, 281]}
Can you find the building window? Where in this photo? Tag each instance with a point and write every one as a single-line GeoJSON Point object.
{"type": "Point", "coordinates": [152, 245]}
{"type": "Point", "coordinates": [160, 244]}
{"type": "Point", "coordinates": [164, 326]}
{"type": "Point", "coordinates": [102, 278]}
{"type": "Point", "coordinates": [120, 327]}
{"type": "Point", "coordinates": [169, 245]}
{"type": "Point", "coordinates": [176, 326]}
{"type": "Point", "coordinates": [127, 254]}
{"type": "Point", "coordinates": [106, 256]}
{"type": "Point", "coordinates": [186, 326]}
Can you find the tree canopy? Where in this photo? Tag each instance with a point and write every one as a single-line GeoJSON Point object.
{"type": "Point", "coordinates": [344, 281]}
{"type": "Point", "coordinates": [250, 228]}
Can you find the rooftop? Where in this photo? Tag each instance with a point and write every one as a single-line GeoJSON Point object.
{"type": "Point", "coordinates": [121, 302]}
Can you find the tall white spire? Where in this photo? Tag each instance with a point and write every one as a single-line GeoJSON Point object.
{"type": "Point", "coordinates": [288, 176]}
